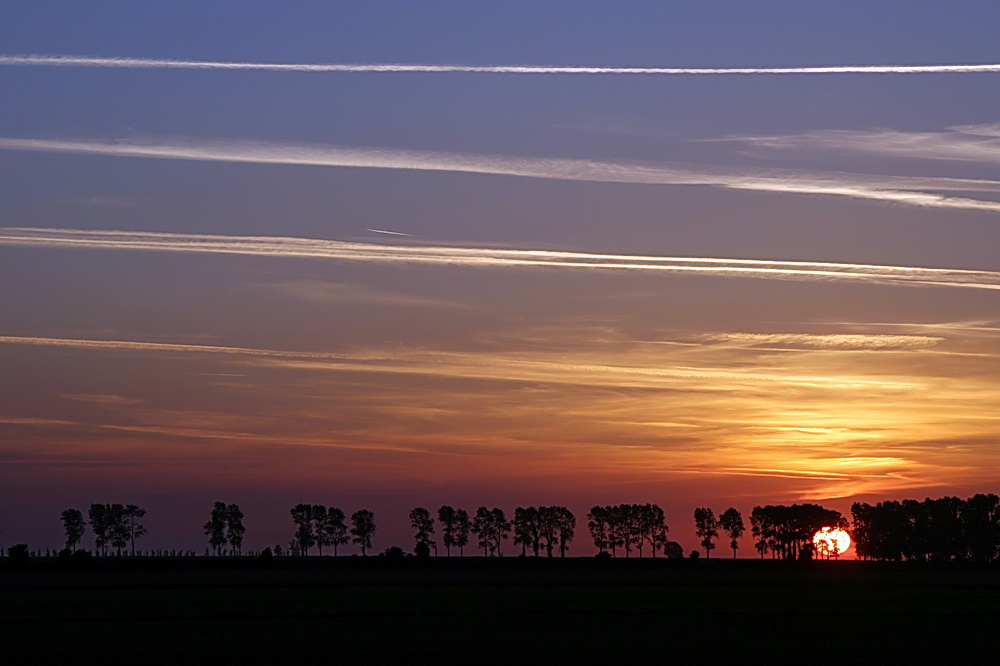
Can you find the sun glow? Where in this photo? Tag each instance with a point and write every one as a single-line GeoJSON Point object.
{"type": "Point", "coordinates": [831, 542]}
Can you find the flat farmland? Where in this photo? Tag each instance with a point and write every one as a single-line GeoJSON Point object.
{"type": "Point", "coordinates": [508, 610]}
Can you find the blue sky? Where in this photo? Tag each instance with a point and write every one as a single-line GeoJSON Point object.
{"type": "Point", "coordinates": [433, 378]}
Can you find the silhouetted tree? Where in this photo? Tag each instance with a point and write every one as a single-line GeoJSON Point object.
{"type": "Point", "coordinates": [501, 529]}
{"type": "Point", "coordinates": [448, 520]}
{"type": "Point", "coordinates": [566, 528]}
{"type": "Point", "coordinates": [785, 530]}
{"type": "Point", "coordinates": [363, 529]}
{"type": "Point", "coordinates": [947, 528]}
{"type": "Point", "coordinates": [18, 553]}
{"type": "Point", "coordinates": [463, 526]}
{"type": "Point", "coordinates": [492, 528]}
{"type": "Point", "coordinates": [706, 527]}
{"type": "Point", "coordinates": [305, 537]}
{"type": "Point", "coordinates": [981, 526]}
{"type": "Point", "coordinates": [112, 524]}
{"type": "Point", "coordinates": [100, 526]}
{"type": "Point", "coordinates": [317, 518]}
{"type": "Point", "coordinates": [234, 528]}
{"type": "Point", "coordinates": [731, 522]}
{"type": "Point", "coordinates": [423, 525]}
{"type": "Point", "coordinates": [215, 528]}
{"type": "Point", "coordinates": [481, 528]}
{"type": "Point", "coordinates": [627, 526]}
{"type": "Point", "coordinates": [118, 534]}
{"type": "Point", "coordinates": [131, 517]}
{"type": "Point", "coordinates": [650, 526]}
{"type": "Point", "coordinates": [74, 526]}
{"type": "Point", "coordinates": [527, 532]}
{"type": "Point", "coordinates": [332, 531]}
{"type": "Point", "coordinates": [549, 525]}
{"type": "Point", "coordinates": [598, 525]}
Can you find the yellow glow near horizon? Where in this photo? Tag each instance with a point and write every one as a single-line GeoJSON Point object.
{"type": "Point", "coordinates": [831, 541]}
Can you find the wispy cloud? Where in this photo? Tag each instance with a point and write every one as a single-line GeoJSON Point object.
{"type": "Point", "coordinates": [155, 63]}
{"type": "Point", "coordinates": [289, 247]}
{"type": "Point", "coordinates": [582, 370]}
{"type": "Point", "coordinates": [337, 292]}
{"type": "Point", "coordinates": [913, 191]}
{"type": "Point", "coordinates": [836, 341]}
{"type": "Point", "coordinates": [100, 398]}
{"type": "Point", "coordinates": [966, 143]}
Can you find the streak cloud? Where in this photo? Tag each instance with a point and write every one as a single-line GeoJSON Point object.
{"type": "Point", "coordinates": [162, 63]}
{"type": "Point", "coordinates": [290, 247]}
{"type": "Point", "coordinates": [891, 189]}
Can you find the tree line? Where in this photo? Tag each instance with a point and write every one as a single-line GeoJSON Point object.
{"type": "Point", "coordinates": [116, 525]}
{"type": "Point", "coordinates": [786, 532]}
{"type": "Point", "coordinates": [947, 528]}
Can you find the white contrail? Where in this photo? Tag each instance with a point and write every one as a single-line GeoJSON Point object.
{"type": "Point", "coordinates": [893, 189]}
{"type": "Point", "coordinates": [290, 247]}
{"type": "Point", "coordinates": [391, 233]}
{"type": "Point", "coordinates": [159, 63]}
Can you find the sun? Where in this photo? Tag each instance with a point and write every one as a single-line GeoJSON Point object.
{"type": "Point", "coordinates": [831, 541]}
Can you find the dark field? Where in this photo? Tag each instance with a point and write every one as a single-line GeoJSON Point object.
{"type": "Point", "coordinates": [510, 610]}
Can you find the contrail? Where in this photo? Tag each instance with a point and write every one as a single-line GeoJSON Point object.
{"type": "Point", "coordinates": [892, 189]}
{"type": "Point", "coordinates": [290, 247]}
{"type": "Point", "coordinates": [158, 63]}
{"type": "Point", "coordinates": [391, 233]}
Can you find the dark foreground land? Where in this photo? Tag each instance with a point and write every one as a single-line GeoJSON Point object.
{"type": "Point", "coordinates": [487, 611]}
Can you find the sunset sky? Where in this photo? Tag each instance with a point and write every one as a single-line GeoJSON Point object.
{"type": "Point", "coordinates": [549, 283]}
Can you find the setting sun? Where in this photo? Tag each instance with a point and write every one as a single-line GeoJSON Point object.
{"type": "Point", "coordinates": [831, 542]}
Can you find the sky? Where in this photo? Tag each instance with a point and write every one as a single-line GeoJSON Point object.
{"type": "Point", "coordinates": [386, 254]}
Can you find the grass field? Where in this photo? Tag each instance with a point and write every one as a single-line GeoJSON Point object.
{"type": "Point", "coordinates": [511, 610]}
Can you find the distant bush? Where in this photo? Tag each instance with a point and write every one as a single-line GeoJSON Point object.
{"type": "Point", "coordinates": [694, 555]}
{"type": "Point", "coordinates": [393, 553]}
{"type": "Point", "coordinates": [604, 555]}
{"type": "Point", "coordinates": [18, 553]}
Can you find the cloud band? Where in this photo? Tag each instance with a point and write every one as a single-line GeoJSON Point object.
{"type": "Point", "coordinates": [290, 247]}
{"type": "Point", "coordinates": [160, 63]}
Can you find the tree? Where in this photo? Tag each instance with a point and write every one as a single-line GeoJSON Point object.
{"type": "Point", "coordinates": [131, 525]}
{"type": "Point", "coordinates": [706, 527]}
{"type": "Point", "coordinates": [75, 526]}
{"type": "Point", "coordinates": [100, 526]}
{"type": "Point", "coordinates": [423, 524]}
{"type": "Point", "coordinates": [786, 530]}
{"type": "Point", "coordinates": [234, 528]}
{"type": "Point", "coordinates": [448, 518]}
{"type": "Point", "coordinates": [481, 528]}
{"type": "Point", "coordinates": [215, 528]}
{"type": "Point", "coordinates": [305, 538]}
{"type": "Point", "coordinates": [527, 532]}
{"type": "Point", "coordinates": [501, 529]}
{"type": "Point", "coordinates": [317, 519]}
{"type": "Point", "coordinates": [600, 532]}
{"type": "Point", "coordinates": [492, 528]}
{"type": "Point", "coordinates": [463, 526]}
{"type": "Point", "coordinates": [333, 531]}
{"type": "Point", "coordinates": [362, 529]}
{"type": "Point", "coordinates": [731, 522]}
{"type": "Point", "coordinates": [566, 526]}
